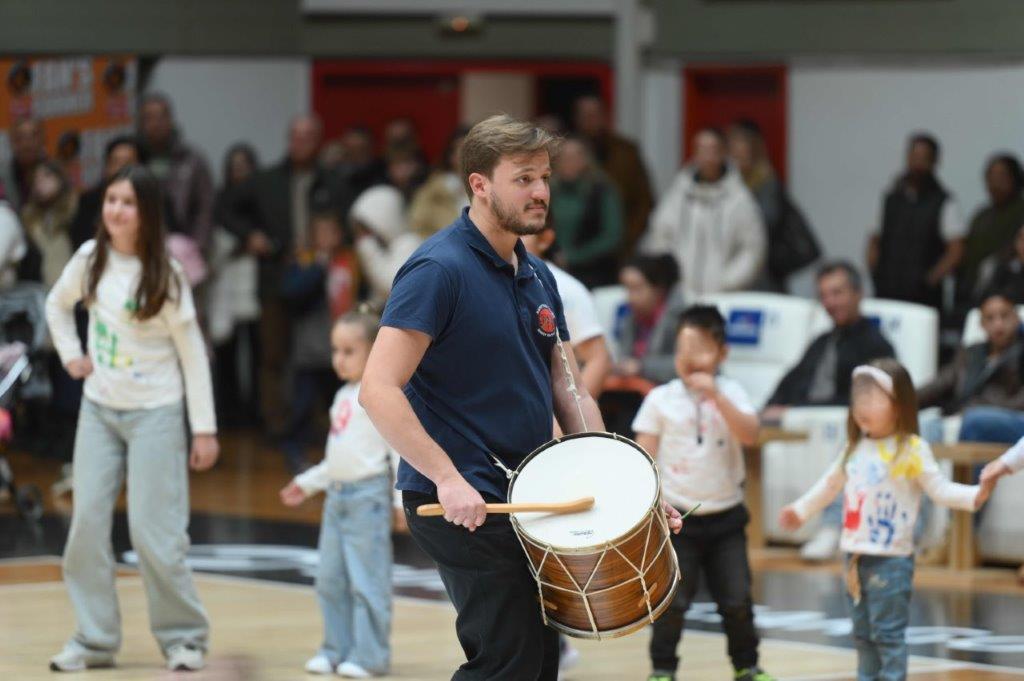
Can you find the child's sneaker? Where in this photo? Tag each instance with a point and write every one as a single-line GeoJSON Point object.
{"type": "Point", "coordinates": [185, 658]}
{"type": "Point", "coordinates": [350, 670]}
{"type": "Point", "coordinates": [753, 674]}
{"type": "Point", "coordinates": [75, 657]}
{"type": "Point", "coordinates": [319, 664]}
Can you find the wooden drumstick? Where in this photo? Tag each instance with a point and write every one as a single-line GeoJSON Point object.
{"type": "Point", "coordinates": [582, 504]}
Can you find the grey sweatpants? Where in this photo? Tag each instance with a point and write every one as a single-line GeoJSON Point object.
{"type": "Point", "coordinates": [151, 445]}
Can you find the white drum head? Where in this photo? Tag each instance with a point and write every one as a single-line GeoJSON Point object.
{"type": "Point", "coordinates": [616, 473]}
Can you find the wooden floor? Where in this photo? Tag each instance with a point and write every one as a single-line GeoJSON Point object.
{"type": "Point", "coordinates": [265, 630]}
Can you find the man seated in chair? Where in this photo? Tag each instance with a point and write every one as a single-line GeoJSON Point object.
{"type": "Point", "coordinates": [822, 376]}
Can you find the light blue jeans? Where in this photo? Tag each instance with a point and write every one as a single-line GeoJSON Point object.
{"type": "Point", "coordinates": [353, 581]}
{"type": "Point", "coordinates": [881, 616]}
{"type": "Point", "coordinates": [148, 448]}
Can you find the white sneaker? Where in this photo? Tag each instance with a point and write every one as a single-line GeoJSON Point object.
{"type": "Point", "coordinates": [350, 670]}
{"type": "Point", "coordinates": [823, 546]}
{"type": "Point", "coordinates": [185, 658]}
{"type": "Point", "coordinates": [75, 658]}
{"type": "Point", "coordinates": [567, 659]}
{"type": "Point", "coordinates": [319, 664]}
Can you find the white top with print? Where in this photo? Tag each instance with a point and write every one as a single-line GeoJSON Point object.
{"type": "Point", "coordinates": [882, 493]}
{"type": "Point", "coordinates": [698, 464]}
{"type": "Point", "coordinates": [355, 450]}
{"type": "Point", "coordinates": [136, 364]}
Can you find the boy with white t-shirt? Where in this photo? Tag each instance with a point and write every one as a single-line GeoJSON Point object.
{"type": "Point", "coordinates": [695, 427]}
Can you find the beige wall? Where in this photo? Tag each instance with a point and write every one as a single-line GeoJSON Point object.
{"type": "Point", "coordinates": [484, 94]}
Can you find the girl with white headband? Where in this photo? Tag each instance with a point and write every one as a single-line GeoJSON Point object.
{"type": "Point", "coordinates": [882, 471]}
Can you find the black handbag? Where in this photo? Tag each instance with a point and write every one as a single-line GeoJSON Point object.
{"type": "Point", "coordinates": [792, 245]}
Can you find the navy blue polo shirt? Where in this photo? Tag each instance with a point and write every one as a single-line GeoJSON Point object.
{"type": "Point", "coordinates": [483, 387]}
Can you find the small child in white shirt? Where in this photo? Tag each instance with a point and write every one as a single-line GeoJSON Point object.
{"type": "Point", "coordinates": [881, 473]}
{"type": "Point", "coordinates": [353, 581]}
{"type": "Point", "coordinates": [695, 427]}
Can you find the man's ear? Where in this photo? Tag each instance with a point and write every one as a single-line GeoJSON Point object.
{"type": "Point", "coordinates": [480, 184]}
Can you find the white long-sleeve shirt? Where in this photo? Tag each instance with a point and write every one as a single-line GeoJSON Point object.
{"type": "Point", "coordinates": [1014, 457]}
{"type": "Point", "coordinates": [882, 494]}
{"type": "Point", "coordinates": [355, 450]}
{"type": "Point", "coordinates": [136, 364]}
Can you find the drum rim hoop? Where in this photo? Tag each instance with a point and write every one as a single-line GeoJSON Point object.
{"type": "Point", "coordinates": [592, 548]}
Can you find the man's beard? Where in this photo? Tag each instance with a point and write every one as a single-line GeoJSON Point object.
{"type": "Point", "coordinates": [511, 221]}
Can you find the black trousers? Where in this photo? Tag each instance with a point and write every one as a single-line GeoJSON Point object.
{"type": "Point", "coordinates": [485, 573]}
{"type": "Point", "coordinates": [714, 545]}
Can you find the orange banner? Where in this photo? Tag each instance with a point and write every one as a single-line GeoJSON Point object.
{"type": "Point", "coordinates": [83, 102]}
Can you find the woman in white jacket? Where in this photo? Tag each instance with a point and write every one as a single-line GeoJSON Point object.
{"type": "Point", "coordinates": [384, 240]}
{"type": "Point", "coordinates": [710, 222]}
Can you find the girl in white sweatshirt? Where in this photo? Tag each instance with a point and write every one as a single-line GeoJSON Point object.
{"type": "Point", "coordinates": [145, 353]}
{"type": "Point", "coordinates": [353, 581]}
{"type": "Point", "coordinates": [882, 471]}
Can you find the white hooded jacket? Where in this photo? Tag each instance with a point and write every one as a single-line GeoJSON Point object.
{"type": "Point", "coordinates": [714, 230]}
{"type": "Point", "coordinates": [382, 210]}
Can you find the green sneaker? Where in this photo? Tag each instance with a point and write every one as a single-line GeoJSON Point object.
{"type": "Point", "coordinates": [661, 676]}
{"type": "Point", "coordinates": [753, 674]}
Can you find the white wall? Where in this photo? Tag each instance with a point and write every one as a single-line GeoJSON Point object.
{"type": "Point", "coordinates": [848, 127]}
{"type": "Point", "coordinates": [220, 101]}
{"type": "Point", "coordinates": [661, 122]}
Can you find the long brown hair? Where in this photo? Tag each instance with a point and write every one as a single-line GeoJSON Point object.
{"type": "Point", "coordinates": [157, 284]}
{"type": "Point", "coordinates": [904, 399]}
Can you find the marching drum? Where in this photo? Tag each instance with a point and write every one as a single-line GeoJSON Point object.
{"type": "Point", "coordinates": [607, 571]}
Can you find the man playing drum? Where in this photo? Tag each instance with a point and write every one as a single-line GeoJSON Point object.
{"type": "Point", "coordinates": [462, 382]}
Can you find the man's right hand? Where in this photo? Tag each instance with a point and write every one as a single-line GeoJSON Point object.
{"type": "Point", "coordinates": [462, 504]}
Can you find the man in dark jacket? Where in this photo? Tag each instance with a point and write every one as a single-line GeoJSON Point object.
{"type": "Point", "coordinates": [921, 231]}
{"type": "Point", "coordinates": [270, 214]}
{"type": "Point", "coordinates": [183, 172]}
{"type": "Point", "coordinates": [823, 374]}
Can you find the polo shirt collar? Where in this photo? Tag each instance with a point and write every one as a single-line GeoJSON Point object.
{"type": "Point", "coordinates": [478, 242]}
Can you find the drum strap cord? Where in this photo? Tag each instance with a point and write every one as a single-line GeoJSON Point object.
{"type": "Point", "coordinates": [570, 382]}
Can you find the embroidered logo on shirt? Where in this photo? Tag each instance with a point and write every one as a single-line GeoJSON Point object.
{"type": "Point", "coordinates": [545, 321]}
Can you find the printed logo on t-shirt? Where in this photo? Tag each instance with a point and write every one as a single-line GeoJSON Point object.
{"type": "Point", "coordinates": [545, 321]}
{"type": "Point", "coordinates": [107, 352]}
{"type": "Point", "coordinates": [342, 415]}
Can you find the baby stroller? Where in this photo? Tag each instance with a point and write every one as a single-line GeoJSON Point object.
{"type": "Point", "coordinates": [22, 375]}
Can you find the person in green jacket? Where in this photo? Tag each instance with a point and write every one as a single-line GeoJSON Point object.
{"type": "Point", "coordinates": [587, 215]}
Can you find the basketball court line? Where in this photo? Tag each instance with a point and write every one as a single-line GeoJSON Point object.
{"type": "Point", "coordinates": [932, 664]}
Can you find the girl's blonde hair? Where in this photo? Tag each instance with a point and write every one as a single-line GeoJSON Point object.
{"type": "Point", "coordinates": [904, 400]}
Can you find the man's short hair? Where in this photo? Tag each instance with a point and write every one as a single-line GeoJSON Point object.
{"type": "Point", "coordinates": [927, 139]}
{"type": "Point", "coordinates": [844, 266]}
{"type": "Point", "coordinates": [704, 317]}
{"type": "Point", "coordinates": [120, 140]}
{"type": "Point", "coordinates": [501, 136]}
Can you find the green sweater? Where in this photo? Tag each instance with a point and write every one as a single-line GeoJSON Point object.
{"type": "Point", "coordinates": [568, 205]}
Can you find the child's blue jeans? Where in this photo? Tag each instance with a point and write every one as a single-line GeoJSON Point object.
{"type": "Point", "coordinates": [881, 616]}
